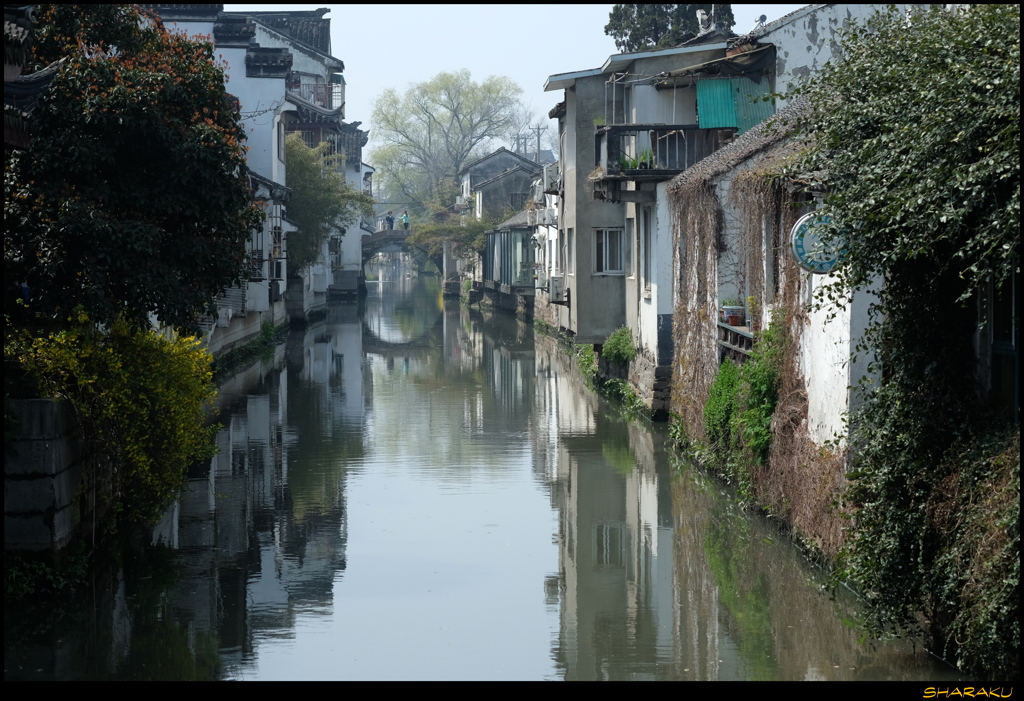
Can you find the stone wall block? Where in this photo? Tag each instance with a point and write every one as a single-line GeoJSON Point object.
{"type": "Point", "coordinates": [66, 486]}
{"type": "Point", "coordinates": [43, 418]}
{"type": "Point", "coordinates": [41, 457]}
{"type": "Point", "coordinates": [65, 522]}
{"type": "Point", "coordinates": [26, 496]}
{"type": "Point", "coordinates": [30, 531]}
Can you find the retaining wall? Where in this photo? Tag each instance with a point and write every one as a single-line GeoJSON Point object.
{"type": "Point", "coordinates": [42, 477]}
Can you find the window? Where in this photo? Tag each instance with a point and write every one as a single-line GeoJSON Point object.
{"type": "Point", "coordinates": [645, 233]}
{"type": "Point", "coordinates": [571, 251]}
{"type": "Point", "coordinates": [608, 251]}
{"type": "Point", "coordinates": [630, 236]}
{"type": "Point", "coordinates": [560, 263]}
{"type": "Point", "coordinates": [518, 200]}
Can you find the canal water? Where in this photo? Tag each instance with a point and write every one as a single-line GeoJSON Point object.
{"type": "Point", "coordinates": [411, 489]}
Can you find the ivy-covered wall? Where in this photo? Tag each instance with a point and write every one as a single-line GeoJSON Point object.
{"type": "Point", "coordinates": [926, 516]}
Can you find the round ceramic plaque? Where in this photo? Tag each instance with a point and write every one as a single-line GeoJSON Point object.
{"type": "Point", "coordinates": [812, 252]}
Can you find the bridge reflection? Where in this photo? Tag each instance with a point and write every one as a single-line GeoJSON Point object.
{"type": "Point", "coordinates": [398, 240]}
{"type": "Point", "coordinates": [403, 314]}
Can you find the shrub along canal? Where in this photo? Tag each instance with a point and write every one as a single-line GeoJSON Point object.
{"type": "Point", "coordinates": [414, 490]}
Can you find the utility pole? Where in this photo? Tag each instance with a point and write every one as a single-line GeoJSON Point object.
{"type": "Point", "coordinates": [539, 128]}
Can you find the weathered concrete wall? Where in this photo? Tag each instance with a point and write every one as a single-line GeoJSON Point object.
{"type": "Point", "coordinates": [502, 297]}
{"type": "Point", "coordinates": [545, 311]}
{"type": "Point", "coordinates": [651, 382]}
{"type": "Point", "coordinates": [305, 295]}
{"type": "Point", "coordinates": [827, 361]}
{"type": "Point", "coordinates": [597, 300]}
{"type": "Point", "coordinates": [42, 477]}
{"type": "Point", "coordinates": [807, 39]}
{"type": "Point", "coordinates": [244, 328]}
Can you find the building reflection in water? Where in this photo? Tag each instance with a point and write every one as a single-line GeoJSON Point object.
{"type": "Point", "coordinates": [652, 571]}
{"type": "Point", "coordinates": [262, 532]}
{"type": "Point", "coordinates": [663, 575]}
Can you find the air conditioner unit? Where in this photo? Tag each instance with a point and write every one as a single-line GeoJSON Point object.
{"type": "Point", "coordinates": [556, 289]}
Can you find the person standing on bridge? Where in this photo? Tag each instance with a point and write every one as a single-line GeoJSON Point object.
{"type": "Point", "coordinates": [405, 219]}
{"type": "Point", "coordinates": [389, 221]}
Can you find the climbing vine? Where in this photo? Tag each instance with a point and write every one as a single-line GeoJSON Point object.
{"type": "Point", "coordinates": [928, 200]}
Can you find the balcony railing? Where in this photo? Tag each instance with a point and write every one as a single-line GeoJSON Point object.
{"type": "Point", "coordinates": [655, 151]}
{"type": "Point", "coordinates": [330, 96]}
{"type": "Point", "coordinates": [255, 265]}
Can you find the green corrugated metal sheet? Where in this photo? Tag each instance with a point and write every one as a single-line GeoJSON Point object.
{"type": "Point", "coordinates": [728, 102]}
{"type": "Point", "coordinates": [749, 113]}
{"type": "Point", "coordinates": [715, 105]}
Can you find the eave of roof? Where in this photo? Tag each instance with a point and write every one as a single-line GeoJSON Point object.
{"type": "Point", "coordinates": [503, 174]}
{"type": "Point", "coordinates": [330, 61]}
{"type": "Point", "coordinates": [618, 62]}
{"type": "Point", "coordinates": [499, 150]}
{"type": "Point", "coordinates": [561, 81]}
{"type": "Point", "coordinates": [700, 66]}
{"type": "Point", "coordinates": [516, 221]}
{"type": "Point", "coordinates": [781, 21]}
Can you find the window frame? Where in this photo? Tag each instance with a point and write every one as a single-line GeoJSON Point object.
{"type": "Point", "coordinates": [629, 240]}
{"type": "Point", "coordinates": [570, 257]}
{"type": "Point", "coordinates": [646, 243]}
{"type": "Point", "coordinates": [604, 256]}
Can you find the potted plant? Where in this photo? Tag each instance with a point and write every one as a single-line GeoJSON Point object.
{"type": "Point", "coordinates": [732, 311]}
{"type": "Point", "coordinates": [646, 159]}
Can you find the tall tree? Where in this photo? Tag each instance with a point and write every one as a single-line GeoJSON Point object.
{"type": "Point", "coordinates": [430, 132]}
{"type": "Point", "coordinates": [640, 27]}
{"type": "Point", "coordinates": [321, 200]}
{"type": "Point", "coordinates": [133, 197]}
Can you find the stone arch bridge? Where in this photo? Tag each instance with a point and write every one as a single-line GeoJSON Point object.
{"type": "Point", "coordinates": [397, 240]}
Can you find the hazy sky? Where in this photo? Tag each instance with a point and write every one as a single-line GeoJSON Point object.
{"type": "Point", "coordinates": [393, 46]}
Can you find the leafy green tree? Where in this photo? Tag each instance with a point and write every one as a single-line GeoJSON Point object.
{"type": "Point", "coordinates": [640, 27]}
{"type": "Point", "coordinates": [132, 199]}
{"type": "Point", "coordinates": [466, 234]}
{"type": "Point", "coordinates": [923, 161]}
{"type": "Point", "coordinates": [430, 132]}
{"type": "Point", "coordinates": [321, 200]}
{"type": "Point", "coordinates": [142, 403]}
{"type": "Point", "coordinates": [918, 130]}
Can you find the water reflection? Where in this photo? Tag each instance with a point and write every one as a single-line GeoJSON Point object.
{"type": "Point", "coordinates": [415, 490]}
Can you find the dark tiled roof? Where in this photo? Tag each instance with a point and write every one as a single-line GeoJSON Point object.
{"type": "Point", "coordinates": [21, 96]}
{"type": "Point", "coordinates": [310, 26]}
{"type": "Point", "coordinates": [18, 24]}
{"type": "Point", "coordinates": [531, 165]}
{"type": "Point", "coordinates": [516, 221]}
{"type": "Point", "coordinates": [503, 174]}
